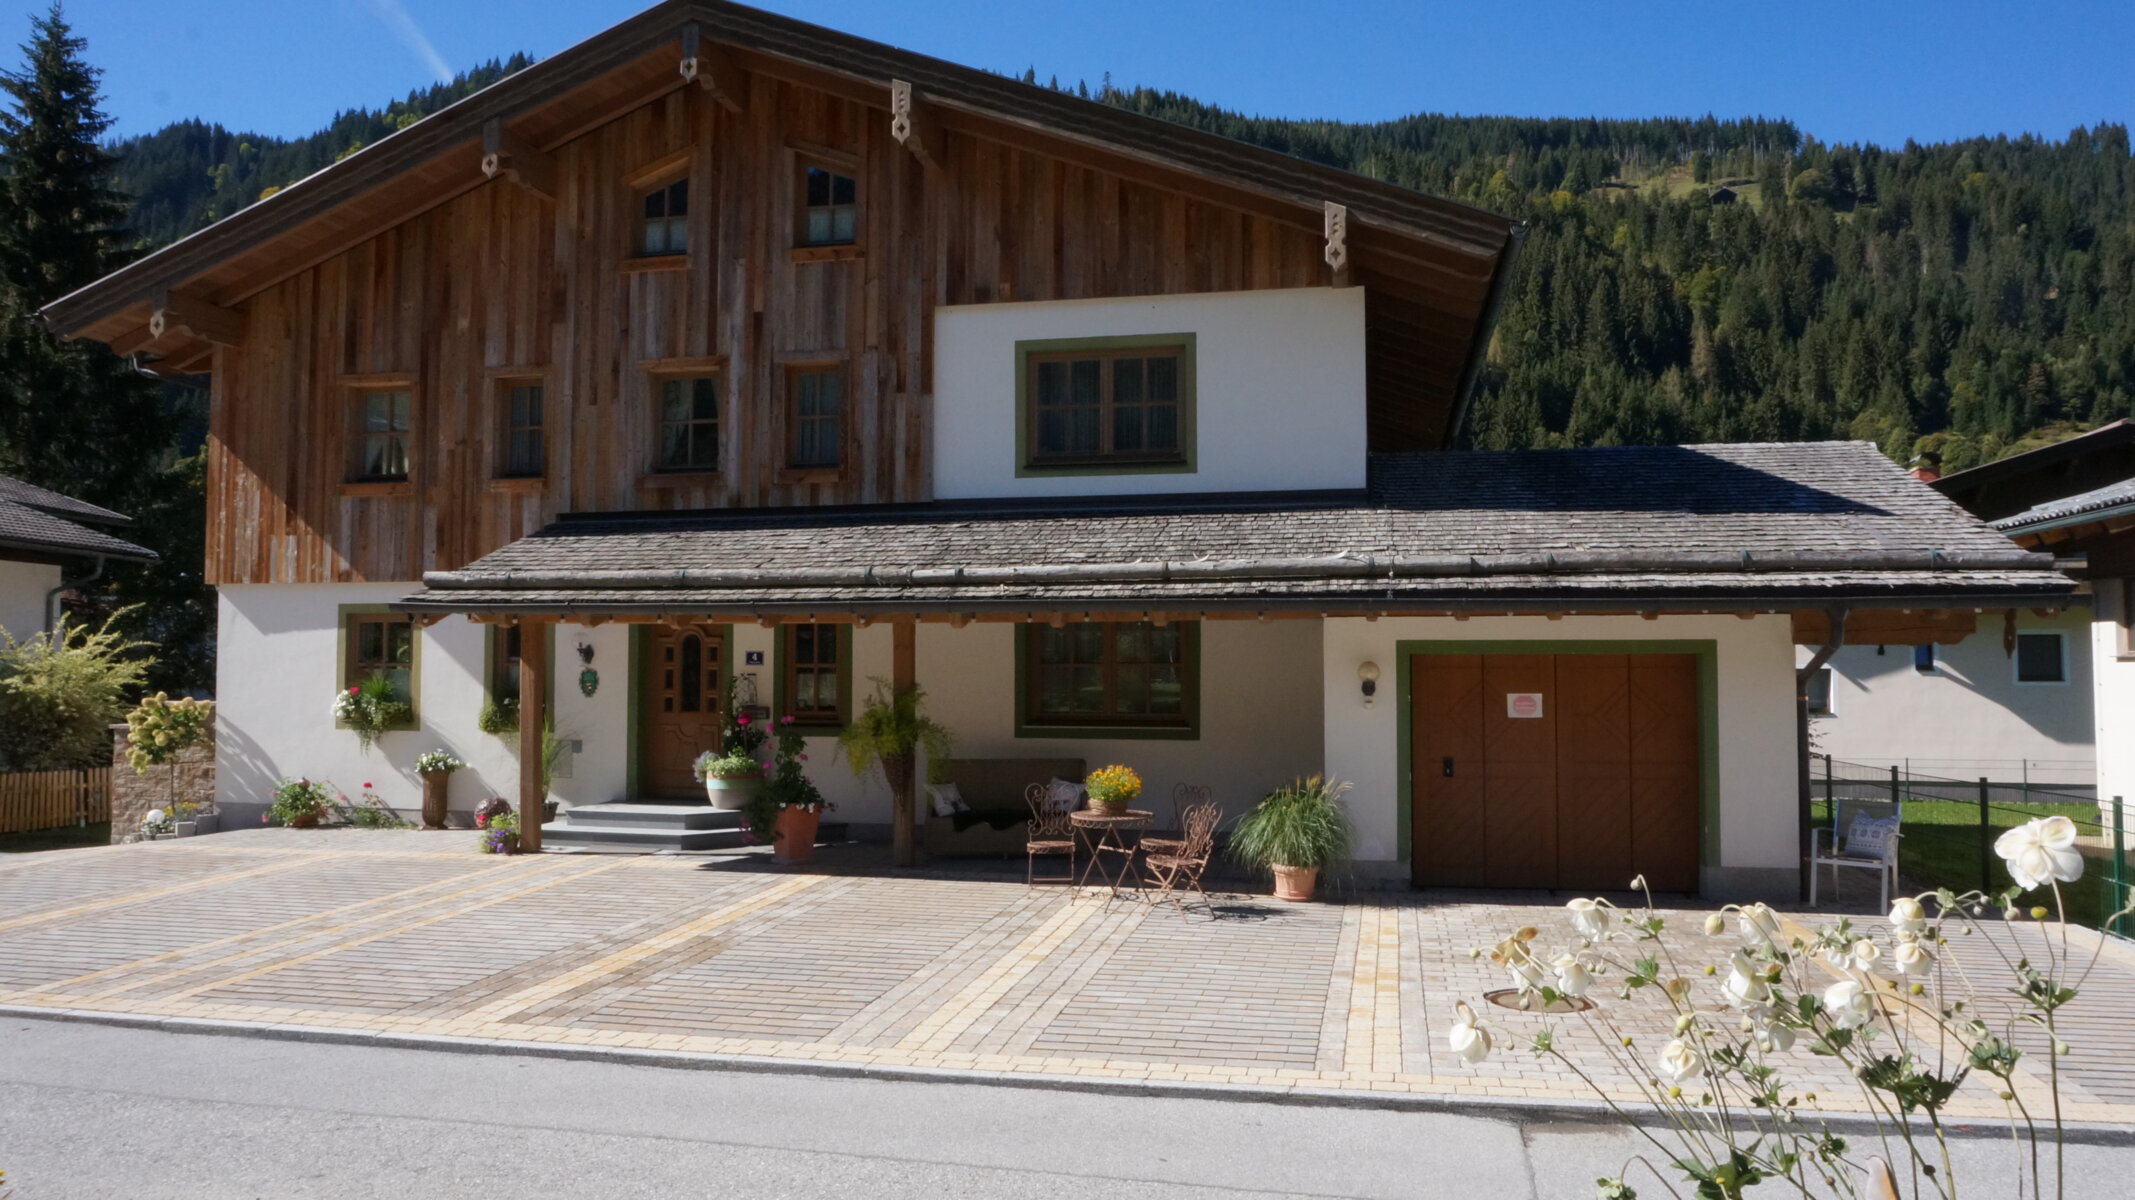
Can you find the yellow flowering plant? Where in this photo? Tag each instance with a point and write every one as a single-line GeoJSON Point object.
{"type": "Point", "coordinates": [1113, 785]}
{"type": "Point", "coordinates": [159, 727]}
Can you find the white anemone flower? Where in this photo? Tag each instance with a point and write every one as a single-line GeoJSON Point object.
{"type": "Point", "coordinates": [1906, 915]}
{"type": "Point", "coordinates": [1572, 977]}
{"type": "Point", "coordinates": [2041, 850]}
{"type": "Point", "coordinates": [1773, 1037]}
{"type": "Point", "coordinates": [1588, 917]}
{"type": "Point", "coordinates": [1680, 1062]}
{"type": "Point", "coordinates": [1866, 955]}
{"type": "Point", "coordinates": [1912, 958]}
{"type": "Point", "coordinates": [1528, 973]}
{"type": "Point", "coordinates": [1758, 923]}
{"type": "Point", "coordinates": [1469, 1040]}
{"type": "Point", "coordinates": [1848, 1004]}
{"type": "Point", "coordinates": [1746, 986]}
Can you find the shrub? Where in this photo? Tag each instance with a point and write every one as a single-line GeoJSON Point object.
{"type": "Point", "coordinates": [499, 716]}
{"type": "Point", "coordinates": [1302, 825]}
{"type": "Point", "coordinates": [159, 727]}
{"type": "Point", "coordinates": [371, 812]}
{"type": "Point", "coordinates": [739, 765]}
{"type": "Point", "coordinates": [60, 695]}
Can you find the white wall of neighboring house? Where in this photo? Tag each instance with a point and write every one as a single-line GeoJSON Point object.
{"type": "Point", "coordinates": [24, 589]}
{"type": "Point", "coordinates": [2113, 677]}
{"type": "Point", "coordinates": [1279, 398]}
{"type": "Point", "coordinates": [1758, 792]}
{"type": "Point", "coordinates": [1968, 717]}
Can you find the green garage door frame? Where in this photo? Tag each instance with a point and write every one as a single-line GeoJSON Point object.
{"type": "Point", "coordinates": [1707, 652]}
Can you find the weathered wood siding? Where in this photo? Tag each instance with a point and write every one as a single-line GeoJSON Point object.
{"type": "Point", "coordinates": [500, 279]}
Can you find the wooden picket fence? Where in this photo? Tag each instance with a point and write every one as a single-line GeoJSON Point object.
{"type": "Point", "coordinates": [49, 799]}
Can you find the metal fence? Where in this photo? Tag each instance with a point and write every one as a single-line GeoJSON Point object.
{"type": "Point", "coordinates": [1952, 844]}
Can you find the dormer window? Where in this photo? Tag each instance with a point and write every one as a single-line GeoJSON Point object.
{"type": "Point", "coordinates": [663, 222]}
{"type": "Point", "coordinates": [1096, 406]}
{"type": "Point", "coordinates": [829, 213]}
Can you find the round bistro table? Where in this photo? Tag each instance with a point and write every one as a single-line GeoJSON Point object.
{"type": "Point", "coordinates": [1105, 836]}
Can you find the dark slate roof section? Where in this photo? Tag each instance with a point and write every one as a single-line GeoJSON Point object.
{"type": "Point", "coordinates": [2070, 510]}
{"type": "Point", "coordinates": [35, 531]}
{"type": "Point", "coordinates": [29, 495]}
{"type": "Point", "coordinates": [1757, 522]}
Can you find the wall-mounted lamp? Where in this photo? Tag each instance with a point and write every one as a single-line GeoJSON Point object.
{"type": "Point", "coordinates": [1368, 677]}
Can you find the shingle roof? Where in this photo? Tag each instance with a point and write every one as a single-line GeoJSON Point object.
{"type": "Point", "coordinates": [2092, 504]}
{"type": "Point", "coordinates": [1771, 521]}
{"type": "Point", "coordinates": [38, 520]}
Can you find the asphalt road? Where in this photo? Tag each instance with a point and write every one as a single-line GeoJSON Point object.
{"type": "Point", "coordinates": [93, 1111]}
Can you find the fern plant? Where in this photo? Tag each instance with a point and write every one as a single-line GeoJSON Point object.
{"type": "Point", "coordinates": [890, 728]}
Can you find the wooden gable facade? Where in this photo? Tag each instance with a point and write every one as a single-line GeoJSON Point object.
{"type": "Point", "coordinates": [454, 287]}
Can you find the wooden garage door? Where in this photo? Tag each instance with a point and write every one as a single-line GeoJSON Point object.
{"type": "Point", "coordinates": [1596, 783]}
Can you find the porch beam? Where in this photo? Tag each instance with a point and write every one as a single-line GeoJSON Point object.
{"type": "Point", "coordinates": [533, 717]}
{"type": "Point", "coordinates": [904, 675]}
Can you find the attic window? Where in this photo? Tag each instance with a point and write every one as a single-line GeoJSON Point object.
{"type": "Point", "coordinates": [663, 222]}
{"type": "Point", "coordinates": [829, 207]}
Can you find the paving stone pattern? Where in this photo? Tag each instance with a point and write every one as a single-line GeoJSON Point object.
{"type": "Point", "coordinates": [406, 932]}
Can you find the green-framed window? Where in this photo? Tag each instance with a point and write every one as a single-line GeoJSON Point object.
{"type": "Point", "coordinates": [1105, 405]}
{"type": "Point", "coordinates": [814, 682]}
{"type": "Point", "coordinates": [377, 641]}
{"type": "Point", "coordinates": [1118, 678]}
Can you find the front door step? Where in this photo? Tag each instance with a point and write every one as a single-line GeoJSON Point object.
{"type": "Point", "coordinates": [644, 828]}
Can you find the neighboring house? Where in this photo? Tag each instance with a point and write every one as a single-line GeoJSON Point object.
{"type": "Point", "coordinates": [49, 543]}
{"type": "Point", "coordinates": [723, 345]}
{"type": "Point", "coordinates": [2076, 499]}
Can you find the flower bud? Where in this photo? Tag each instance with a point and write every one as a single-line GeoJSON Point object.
{"type": "Point", "coordinates": [1715, 925]}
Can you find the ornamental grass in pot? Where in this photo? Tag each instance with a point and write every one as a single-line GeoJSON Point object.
{"type": "Point", "coordinates": [1295, 832]}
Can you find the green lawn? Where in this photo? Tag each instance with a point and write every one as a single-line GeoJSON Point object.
{"type": "Point", "coordinates": [65, 837]}
{"type": "Point", "coordinates": [1941, 848]}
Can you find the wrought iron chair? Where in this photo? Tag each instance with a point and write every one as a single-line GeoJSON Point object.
{"type": "Point", "coordinates": [1049, 833]}
{"type": "Point", "coordinates": [1183, 797]}
{"type": "Point", "coordinates": [1868, 840]}
{"type": "Point", "coordinates": [1174, 872]}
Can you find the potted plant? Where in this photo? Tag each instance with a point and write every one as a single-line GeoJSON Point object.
{"type": "Point", "coordinates": [500, 829]}
{"type": "Point", "coordinates": [300, 803]}
{"type": "Point", "coordinates": [370, 708]}
{"type": "Point", "coordinates": [790, 806]}
{"type": "Point", "coordinates": [890, 729]}
{"type": "Point", "coordinates": [1112, 789]}
{"type": "Point", "coordinates": [731, 781]}
{"type": "Point", "coordinates": [1295, 832]}
{"type": "Point", "coordinates": [157, 825]}
{"type": "Point", "coordinates": [436, 768]}
{"type": "Point", "coordinates": [156, 730]}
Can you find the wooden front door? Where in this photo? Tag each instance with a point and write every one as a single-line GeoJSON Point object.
{"type": "Point", "coordinates": [1557, 771]}
{"type": "Point", "coordinates": [684, 684]}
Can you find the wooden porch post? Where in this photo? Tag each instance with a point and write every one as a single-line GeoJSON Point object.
{"type": "Point", "coordinates": [904, 634]}
{"type": "Point", "coordinates": [533, 717]}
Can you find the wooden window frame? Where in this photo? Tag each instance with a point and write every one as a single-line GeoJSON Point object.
{"type": "Point", "coordinates": [660, 372]}
{"type": "Point", "coordinates": [347, 617]}
{"type": "Point", "coordinates": [356, 391]}
{"type": "Point", "coordinates": [784, 665]}
{"type": "Point", "coordinates": [2016, 659]}
{"type": "Point", "coordinates": [791, 469]}
{"type": "Point", "coordinates": [836, 163]}
{"type": "Point", "coordinates": [502, 385]}
{"type": "Point", "coordinates": [658, 176]}
{"type": "Point", "coordinates": [1186, 726]}
{"type": "Point", "coordinates": [1029, 353]}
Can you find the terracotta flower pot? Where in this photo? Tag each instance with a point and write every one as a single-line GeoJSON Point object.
{"type": "Point", "coordinates": [307, 821]}
{"type": "Point", "coordinates": [793, 835]}
{"type": "Point", "coordinates": [435, 785]}
{"type": "Point", "coordinates": [1295, 883]}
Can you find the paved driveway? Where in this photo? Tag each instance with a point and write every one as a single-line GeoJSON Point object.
{"type": "Point", "coordinates": [406, 934]}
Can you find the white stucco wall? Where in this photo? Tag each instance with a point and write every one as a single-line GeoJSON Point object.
{"type": "Point", "coordinates": [1758, 772]}
{"type": "Point", "coordinates": [2113, 679]}
{"type": "Point", "coordinates": [1969, 717]}
{"type": "Point", "coordinates": [23, 589]}
{"type": "Point", "coordinates": [1279, 399]}
{"type": "Point", "coordinates": [278, 667]}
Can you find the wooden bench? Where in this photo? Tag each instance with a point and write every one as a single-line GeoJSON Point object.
{"type": "Point", "coordinates": [991, 786]}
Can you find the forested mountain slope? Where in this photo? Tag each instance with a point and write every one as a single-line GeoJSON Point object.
{"type": "Point", "coordinates": [1959, 297]}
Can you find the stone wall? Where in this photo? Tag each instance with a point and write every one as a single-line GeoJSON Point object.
{"type": "Point", "coordinates": [190, 775]}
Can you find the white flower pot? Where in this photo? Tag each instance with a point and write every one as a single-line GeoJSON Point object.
{"type": "Point", "coordinates": [732, 793]}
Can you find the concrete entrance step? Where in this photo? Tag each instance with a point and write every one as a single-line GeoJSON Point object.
{"type": "Point", "coordinates": [655, 816]}
{"type": "Point", "coordinates": [628, 828]}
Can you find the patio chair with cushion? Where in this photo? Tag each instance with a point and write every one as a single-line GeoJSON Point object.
{"type": "Point", "coordinates": [1175, 871]}
{"type": "Point", "coordinates": [1047, 832]}
{"type": "Point", "coordinates": [1863, 835]}
{"type": "Point", "coordinates": [1183, 797]}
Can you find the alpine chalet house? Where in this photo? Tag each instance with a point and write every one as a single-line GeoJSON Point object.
{"type": "Point", "coordinates": [722, 348]}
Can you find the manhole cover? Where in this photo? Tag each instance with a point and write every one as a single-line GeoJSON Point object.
{"type": "Point", "coordinates": [1519, 1001]}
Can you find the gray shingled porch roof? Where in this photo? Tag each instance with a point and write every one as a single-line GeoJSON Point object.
{"type": "Point", "coordinates": [1753, 526]}
{"type": "Point", "coordinates": [43, 523]}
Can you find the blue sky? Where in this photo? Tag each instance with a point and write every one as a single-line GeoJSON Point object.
{"type": "Point", "coordinates": [1867, 70]}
